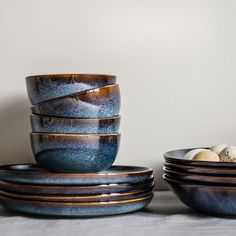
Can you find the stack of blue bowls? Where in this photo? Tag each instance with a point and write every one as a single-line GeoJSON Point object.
{"type": "Point", "coordinates": [75, 121]}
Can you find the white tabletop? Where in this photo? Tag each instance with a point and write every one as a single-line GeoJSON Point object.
{"type": "Point", "coordinates": [166, 215]}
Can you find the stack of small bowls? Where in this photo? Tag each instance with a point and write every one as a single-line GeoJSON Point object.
{"type": "Point", "coordinates": [206, 186]}
{"type": "Point", "coordinates": [75, 140]}
{"type": "Point", "coordinates": [75, 120]}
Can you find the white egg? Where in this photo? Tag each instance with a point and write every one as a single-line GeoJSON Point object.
{"type": "Point", "coordinates": [217, 148]}
{"type": "Point", "coordinates": [189, 155]}
{"type": "Point", "coordinates": [206, 156]}
{"type": "Point", "coordinates": [228, 154]}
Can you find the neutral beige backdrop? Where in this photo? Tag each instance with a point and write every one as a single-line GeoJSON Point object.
{"type": "Point", "coordinates": [175, 62]}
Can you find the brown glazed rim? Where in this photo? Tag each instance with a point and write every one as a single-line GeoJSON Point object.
{"type": "Point", "coordinates": [83, 203]}
{"type": "Point", "coordinates": [145, 170]}
{"type": "Point", "coordinates": [59, 76]}
{"type": "Point", "coordinates": [67, 118]}
{"type": "Point", "coordinates": [75, 135]}
{"type": "Point", "coordinates": [25, 196]}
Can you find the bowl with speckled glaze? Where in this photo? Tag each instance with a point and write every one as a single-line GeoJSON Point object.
{"type": "Point", "coordinates": [48, 124]}
{"type": "Point", "coordinates": [42, 88]}
{"type": "Point", "coordinates": [209, 199]}
{"type": "Point", "coordinates": [78, 209]}
{"type": "Point", "coordinates": [102, 102]}
{"type": "Point", "coordinates": [75, 152]}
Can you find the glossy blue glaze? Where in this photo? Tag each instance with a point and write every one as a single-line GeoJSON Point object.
{"type": "Point", "coordinates": [75, 153]}
{"type": "Point", "coordinates": [102, 102]}
{"type": "Point", "coordinates": [79, 198]}
{"type": "Point", "coordinates": [76, 209]}
{"type": "Point", "coordinates": [32, 174]}
{"type": "Point", "coordinates": [80, 190]}
{"type": "Point", "coordinates": [45, 124]}
{"type": "Point", "coordinates": [209, 199]}
{"type": "Point", "coordinates": [42, 88]}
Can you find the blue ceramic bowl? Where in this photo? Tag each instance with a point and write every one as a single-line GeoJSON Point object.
{"type": "Point", "coordinates": [47, 124]}
{"type": "Point", "coordinates": [42, 88]}
{"type": "Point", "coordinates": [102, 102]}
{"type": "Point", "coordinates": [209, 199]}
{"type": "Point", "coordinates": [75, 152]}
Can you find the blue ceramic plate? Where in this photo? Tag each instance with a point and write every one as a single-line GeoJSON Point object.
{"type": "Point", "coordinates": [209, 199]}
{"type": "Point", "coordinates": [76, 189]}
{"type": "Point", "coordinates": [75, 209]}
{"type": "Point", "coordinates": [80, 198]}
{"type": "Point", "coordinates": [32, 174]}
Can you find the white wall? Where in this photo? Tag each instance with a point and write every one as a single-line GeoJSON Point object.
{"type": "Point", "coordinates": [175, 62]}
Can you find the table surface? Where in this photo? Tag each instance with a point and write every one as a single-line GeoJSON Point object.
{"type": "Point", "coordinates": [166, 215]}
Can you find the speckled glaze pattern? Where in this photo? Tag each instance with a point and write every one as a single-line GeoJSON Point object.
{"type": "Point", "coordinates": [201, 179]}
{"type": "Point", "coordinates": [213, 200]}
{"type": "Point", "coordinates": [42, 88]}
{"type": "Point", "coordinates": [78, 198]}
{"type": "Point", "coordinates": [103, 102]}
{"type": "Point", "coordinates": [75, 153]}
{"type": "Point", "coordinates": [75, 209]}
{"type": "Point", "coordinates": [75, 189]}
{"type": "Point", "coordinates": [177, 157]}
{"type": "Point", "coordinates": [33, 174]}
{"type": "Point", "coordinates": [47, 124]}
{"type": "Point", "coordinates": [211, 171]}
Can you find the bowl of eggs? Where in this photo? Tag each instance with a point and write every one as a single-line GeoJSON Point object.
{"type": "Point", "coordinates": [204, 178]}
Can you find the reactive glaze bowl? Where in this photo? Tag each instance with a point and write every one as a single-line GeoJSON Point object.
{"type": "Point", "coordinates": [33, 174]}
{"type": "Point", "coordinates": [48, 124]}
{"type": "Point", "coordinates": [75, 152]}
{"type": "Point", "coordinates": [200, 179]}
{"type": "Point", "coordinates": [103, 102]}
{"type": "Point", "coordinates": [209, 199]}
{"type": "Point", "coordinates": [42, 88]}
{"type": "Point", "coordinates": [80, 190]}
{"type": "Point", "coordinates": [177, 157]}
{"type": "Point", "coordinates": [74, 208]}
{"type": "Point", "coordinates": [201, 170]}
{"type": "Point", "coordinates": [79, 198]}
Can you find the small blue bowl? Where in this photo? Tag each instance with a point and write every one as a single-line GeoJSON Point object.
{"type": "Point", "coordinates": [75, 152]}
{"type": "Point", "coordinates": [103, 102]}
{"type": "Point", "coordinates": [48, 124]}
{"type": "Point", "coordinates": [42, 88]}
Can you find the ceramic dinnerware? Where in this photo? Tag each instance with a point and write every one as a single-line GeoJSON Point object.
{"type": "Point", "coordinates": [75, 209]}
{"type": "Point", "coordinates": [42, 88]}
{"type": "Point", "coordinates": [33, 174]}
{"type": "Point", "coordinates": [209, 199]}
{"type": "Point", "coordinates": [76, 189]}
{"type": "Point", "coordinates": [48, 124]}
{"type": "Point", "coordinates": [75, 152]}
{"type": "Point", "coordinates": [102, 102]}
{"type": "Point", "coordinates": [80, 198]}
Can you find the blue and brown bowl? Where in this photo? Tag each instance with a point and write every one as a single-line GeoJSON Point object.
{"type": "Point", "coordinates": [42, 88]}
{"type": "Point", "coordinates": [210, 199]}
{"type": "Point", "coordinates": [48, 124]}
{"type": "Point", "coordinates": [103, 102]}
{"type": "Point", "coordinates": [75, 152]}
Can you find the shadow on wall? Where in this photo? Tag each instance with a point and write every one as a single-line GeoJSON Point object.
{"type": "Point", "coordinates": [15, 129]}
